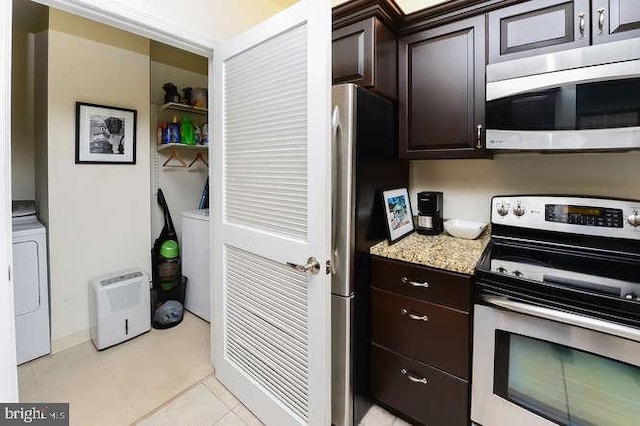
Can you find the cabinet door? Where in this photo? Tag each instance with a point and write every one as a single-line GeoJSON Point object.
{"type": "Point", "coordinates": [352, 53]}
{"type": "Point", "coordinates": [442, 86]}
{"type": "Point", "coordinates": [365, 53]}
{"type": "Point", "coordinates": [615, 20]}
{"type": "Point", "coordinates": [537, 27]}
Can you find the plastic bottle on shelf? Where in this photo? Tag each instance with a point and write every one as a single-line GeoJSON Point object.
{"type": "Point", "coordinates": [205, 134]}
{"type": "Point", "coordinates": [174, 130]}
{"type": "Point", "coordinates": [197, 132]}
{"type": "Point", "coordinates": [166, 133]}
{"type": "Point", "coordinates": [186, 131]}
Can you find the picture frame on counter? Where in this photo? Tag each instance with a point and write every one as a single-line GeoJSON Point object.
{"type": "Point", "coordinates": [105, 134]}
{"type": "Point", "coordinates": [397, 209]}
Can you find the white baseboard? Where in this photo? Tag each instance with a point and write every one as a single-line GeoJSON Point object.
{"type": "Point", "coordinates": [65, 342]}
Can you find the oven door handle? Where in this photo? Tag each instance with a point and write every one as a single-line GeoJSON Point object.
{"type": "Point", "coordinates": [564, 317]}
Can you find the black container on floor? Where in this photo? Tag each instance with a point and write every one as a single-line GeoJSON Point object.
{"type": "Point", "coordinates": [167, 303]}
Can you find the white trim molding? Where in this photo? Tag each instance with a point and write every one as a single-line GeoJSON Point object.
{"type": "Point", "coordinates": [8, 369]}
{"type": "Point", "coordinates": [122, 16]}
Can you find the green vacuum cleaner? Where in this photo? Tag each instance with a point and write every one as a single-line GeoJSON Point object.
{"type": "Point", "coordinates": [168, 290]}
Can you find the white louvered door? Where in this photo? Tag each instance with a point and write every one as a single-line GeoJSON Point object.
{"type": "Point", "coordinates": [271, 206]}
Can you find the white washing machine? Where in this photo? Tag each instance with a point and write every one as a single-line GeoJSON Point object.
{"type": "Point", "coordinates": [31, 288]}
{"type": "Point", "coordinates": [195, 262]}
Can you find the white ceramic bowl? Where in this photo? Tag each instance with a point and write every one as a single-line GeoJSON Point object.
{"type": "Point", "coordinates": [467, 229]}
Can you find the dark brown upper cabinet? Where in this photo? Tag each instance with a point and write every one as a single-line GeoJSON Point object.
{"type": "Point", "coordinates": [441, 80]}
{"type": "Point", "coordinates": [365, 53]}
{"type": "Point", "coordinates": [614, 20]}
{"type": "Point", "coordinates": [536, 27]}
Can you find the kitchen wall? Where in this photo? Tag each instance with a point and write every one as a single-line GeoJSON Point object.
{"type": "Point", "coordinates": [468, 185]}
{"type": "Point", "coordinates": [98, 214]}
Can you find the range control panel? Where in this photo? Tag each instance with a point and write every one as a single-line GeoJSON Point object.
{"type": "Point", "coordinates": [584, 215]}
{"type": "Point", "coordinates": [577, 215]}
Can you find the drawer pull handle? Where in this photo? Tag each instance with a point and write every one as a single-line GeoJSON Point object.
{"type": "Point", "coordinates": [600, 20]}
{"type": "Point", "coordinates": [406, 280]}
{"type": "Point", "coordinates": [581, 25]}
{"type": "Point", "coordinates": [413, 378]}
{"type": "Point", "coordinates": [414, 316]}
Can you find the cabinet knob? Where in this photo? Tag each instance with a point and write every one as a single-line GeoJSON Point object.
{"type": "Point", "coordinates": [581, 24]}
{"type": "Point", "coordinates": [479, 136]}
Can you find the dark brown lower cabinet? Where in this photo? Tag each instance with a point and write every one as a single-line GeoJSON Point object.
{"type": "Point", "coordinates": [421, 341]}
{"type": "Point", "coordinates": [425, 394]}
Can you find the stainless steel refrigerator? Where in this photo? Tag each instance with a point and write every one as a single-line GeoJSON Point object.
{"type": "Point", "coordinates": [364, 153]}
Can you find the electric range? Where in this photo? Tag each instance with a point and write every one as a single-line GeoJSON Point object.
{"type": "Point", "coordinates": [557, 313]}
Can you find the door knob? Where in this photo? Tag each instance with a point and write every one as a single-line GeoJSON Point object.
{"type": "Point", "coordinates": [311, 267]}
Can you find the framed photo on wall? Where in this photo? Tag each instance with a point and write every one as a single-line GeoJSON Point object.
{"type": "Point", "coordinates": [105, 135]}
{"type": "Point", "coordinates": [397, 209]}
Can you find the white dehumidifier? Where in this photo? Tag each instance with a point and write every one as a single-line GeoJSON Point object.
{"type": "Point", "coordinates": [119, 306]}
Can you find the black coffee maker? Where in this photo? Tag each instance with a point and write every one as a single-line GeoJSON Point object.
{"type": "Point", "coordinates": [429, 213]}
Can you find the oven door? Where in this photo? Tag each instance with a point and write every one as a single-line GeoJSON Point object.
{"type": "Point", "coordinates": [538, 366]}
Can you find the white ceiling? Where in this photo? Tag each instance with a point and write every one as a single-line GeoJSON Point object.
{"type": "Point", "coordinates": [408, 6]}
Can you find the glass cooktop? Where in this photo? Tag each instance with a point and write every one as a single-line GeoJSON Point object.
{"type": "Point", "coordinates": [562, 275]}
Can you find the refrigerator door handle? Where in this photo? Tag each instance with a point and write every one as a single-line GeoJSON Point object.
{"type": "Point", "coordinates": [336, 134]}
{"type": "Point", "coordinates": [342, 205]}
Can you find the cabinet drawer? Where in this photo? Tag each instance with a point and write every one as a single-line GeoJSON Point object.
{"type": "Point", "coordinates": [445, 288]}
{"type": "Point", "coordinates": [421, 330]}
{"type": "Point", "coordinates": [441, 401]}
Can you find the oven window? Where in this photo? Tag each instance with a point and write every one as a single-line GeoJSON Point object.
{"type": "Point", "coordinates": [565, 385]}
{"type": "Point", "coordinates": [596, 105]}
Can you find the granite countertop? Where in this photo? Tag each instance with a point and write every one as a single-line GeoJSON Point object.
{"type": "Point", "coordinates": [437, 251]}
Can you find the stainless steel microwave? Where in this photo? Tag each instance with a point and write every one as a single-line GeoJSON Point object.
{"type": "Point", "coordinates": [577, 100]}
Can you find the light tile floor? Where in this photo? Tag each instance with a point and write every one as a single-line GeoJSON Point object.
{"type": "Point", "coordinates": [378, 416]}
{"type": "Point", "coordinates": [208, 403]}
{"type": "Point", "coordinates": [161, 378]}
{"type": "Point", "coordinates": [121, 384]}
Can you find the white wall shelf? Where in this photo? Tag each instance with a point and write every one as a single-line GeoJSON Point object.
{"type": "Point", "coordinates": [182, 146]}
{"type": "Point", "coordinates": [173, 106]}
